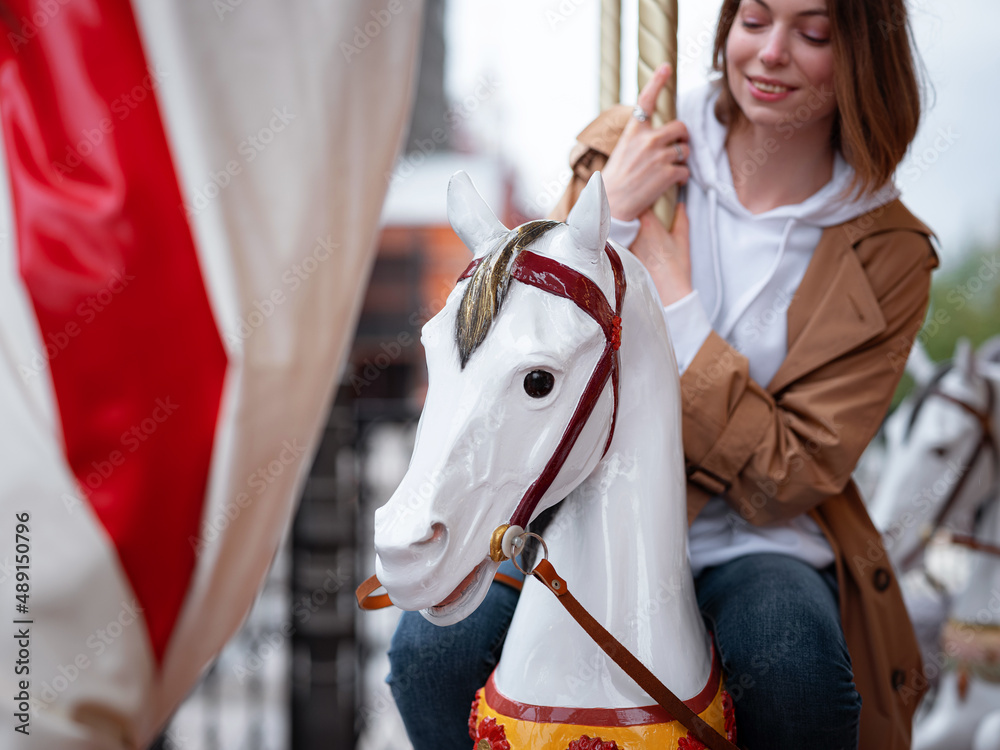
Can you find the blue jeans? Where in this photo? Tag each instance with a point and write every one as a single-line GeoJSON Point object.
{"type": "Point", "coordinates": [777, 629]}
{"type": "Point", "coordinates": [434, 672]}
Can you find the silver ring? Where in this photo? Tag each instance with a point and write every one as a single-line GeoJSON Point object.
{"type": "Point", "coordinates": [545, 551]}
{"type": "Point", "coordinates": [639, 113]}
{"type": "Point", "coordinates": [680, 153]}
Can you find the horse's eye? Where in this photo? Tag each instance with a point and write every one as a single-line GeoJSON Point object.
{"type": "Point", "coordinates": [538, 383]}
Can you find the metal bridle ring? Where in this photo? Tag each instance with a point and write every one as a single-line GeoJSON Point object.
{"type": "Point", "coordinates": [545, 551]}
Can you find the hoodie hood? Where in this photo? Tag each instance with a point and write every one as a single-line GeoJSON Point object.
{"type": "Point", "coordinates": [710, 169]}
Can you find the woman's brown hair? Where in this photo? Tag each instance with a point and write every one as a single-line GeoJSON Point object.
{"type": "Point", "coordinates": [875, 83]}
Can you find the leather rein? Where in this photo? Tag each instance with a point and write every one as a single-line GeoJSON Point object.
{"type": "Point", "coordinates": [508, 539]}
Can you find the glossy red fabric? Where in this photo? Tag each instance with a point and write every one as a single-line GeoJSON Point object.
{"type": "Point", "coordinates": [109, 262]}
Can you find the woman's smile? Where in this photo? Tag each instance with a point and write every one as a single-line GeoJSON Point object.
{"type": "Point", "coordinates": [776, 52]}
{"type": "Point", "coordinates": [768, 90]}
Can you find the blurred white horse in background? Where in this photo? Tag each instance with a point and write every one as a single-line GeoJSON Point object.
{"type": "Point", "coordinates": [942, 471]}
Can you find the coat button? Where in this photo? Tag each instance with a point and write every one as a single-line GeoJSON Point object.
{"type": "Point", "coordinates": [898, 679]}
{"type": "Point", "coordinates": [882, 579]}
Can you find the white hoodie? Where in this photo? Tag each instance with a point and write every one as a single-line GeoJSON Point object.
{"type": "Point", "coordinates": [745, 269]}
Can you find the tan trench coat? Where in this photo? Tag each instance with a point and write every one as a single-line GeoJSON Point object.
{"type": "Point", "coordinates": [790, 447]}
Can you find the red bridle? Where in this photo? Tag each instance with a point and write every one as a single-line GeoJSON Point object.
{"type": "Point", "coordinates": [552, 276]}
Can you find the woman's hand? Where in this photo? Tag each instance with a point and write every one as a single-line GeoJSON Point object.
{"type": "Point", "coordinates": [645, 162]}
{"type": "Point", "coordinates": [666, 255]}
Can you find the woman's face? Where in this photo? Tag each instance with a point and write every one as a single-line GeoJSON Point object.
{"type": "Point", "coordinates": [779, 61]}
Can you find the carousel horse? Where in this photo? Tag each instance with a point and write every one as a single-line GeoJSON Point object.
{"type": "Point", "coordinates": [927, 600]}
{"type": "Point", "coordinates": [969, 655]}
{"type": "Point", "coordinates": [942, 472]}
{"type": "Point", "coordinates": [941, 460]}
{"type": "Point", "coordinates": [988, 733]}
{"type": "Point", "coordinates": [523, 410]}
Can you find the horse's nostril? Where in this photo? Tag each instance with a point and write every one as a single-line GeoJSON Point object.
{"type": "Point", "coordinates": [438, 534]}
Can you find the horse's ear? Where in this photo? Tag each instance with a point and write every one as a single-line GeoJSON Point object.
{"type": "Point", "coordinates": [965, 357]}
{"type": "Point", "coordinates": [988, 352]}
{"type": "Point", "coordinates": [919, 364]}
{"type": "Point", "coordinates": [590, 220]}
{"type": "Point", "coordinates": [473, 221]}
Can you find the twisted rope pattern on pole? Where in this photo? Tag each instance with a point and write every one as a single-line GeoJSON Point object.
{"type": "Point", "coordinates": [658, 44]}
{"type": "Point", "coordinates": [611, 54]}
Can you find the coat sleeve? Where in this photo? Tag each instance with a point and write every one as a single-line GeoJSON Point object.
{"type": "Point", "coordinates": [776, 457]}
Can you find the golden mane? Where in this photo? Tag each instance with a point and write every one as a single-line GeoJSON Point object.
{"type": "Point", "coordinates": [487, 288]}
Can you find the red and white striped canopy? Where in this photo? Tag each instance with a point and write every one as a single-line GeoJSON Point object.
{"type": "Point", "coordinates": [192, 204]}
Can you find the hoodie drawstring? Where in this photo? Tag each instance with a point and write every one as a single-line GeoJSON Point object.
{"type": "Point", "coordinates": [736, 313]}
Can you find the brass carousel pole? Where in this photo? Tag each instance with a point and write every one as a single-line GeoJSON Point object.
{"type": "Point", "coordinates": [611, 45]}
{"type": "Point", "coordinates": [658, 44]}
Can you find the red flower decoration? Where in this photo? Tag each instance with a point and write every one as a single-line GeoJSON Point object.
{"type": "Point", "coordinates": [616, 332]}
{"type": "Point", "coordinates": [595, 743]}
{"type": "Point", "coordinates": [687, 742]}
{"type": "Point", "coordinates": [490, 736]}
{"type": "Point", "coordinates": [474, 717]}
{"type": "Point", "coordinates": [729, 714]}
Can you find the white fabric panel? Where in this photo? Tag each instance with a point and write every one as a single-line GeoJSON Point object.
{"type": "Point", "coordinates": [318, 182]}
{"type": "Point", "coordinates": [87, 643]}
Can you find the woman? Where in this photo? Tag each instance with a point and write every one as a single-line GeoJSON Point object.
{"type": "Point", "coordinates": [791, 295]}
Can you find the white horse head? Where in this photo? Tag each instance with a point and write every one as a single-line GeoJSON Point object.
{"type": "Point", "coordinates": [935, 470]}
{"type": "Point", "coordinates": [510, 358]}
{"type": "Point", "coordinates": [988, 733]}
{"type": "Point", "coordinates": [507, 364]}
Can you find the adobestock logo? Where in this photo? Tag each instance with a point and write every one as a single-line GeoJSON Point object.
{"type": "Point", "coordinates": [28, 27]}
{"type": "Point", "coordinates": [121, 107]}
{"type": "Point", "coordinates": [131, 440]}
{"type": "Point", "coordinates": [364, 34]}
{"type": "Point", "coordinates": [87, 311]}
{"type": "Point", "coordinates": [262, 309]}
{"type": "Point", "coordinates": [249, 149]}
